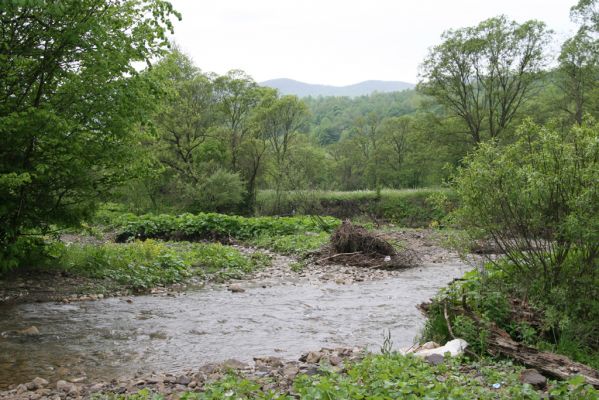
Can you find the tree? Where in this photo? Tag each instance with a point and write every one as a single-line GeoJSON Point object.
{"type": "Point", "coordinates": [579, 68]}
{"type": "Point", "coordinates": [579, 59]}
{"type": "Point", "coordinates": [279, 125]}
{"type": "Point", "coordinates": [237, 95]}
{"type": "Point", "coordinates": [483, 74]}
{"type": "Point", "coordinates": [69, 106]}
{"type": "Point", "coordinates": [186, 115]}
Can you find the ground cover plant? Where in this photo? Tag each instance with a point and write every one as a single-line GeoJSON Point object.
{"type": "Point", "coordinates": [219, 226]}
{"type": "Point", "coordinates": [298, 244]}
{"type": "Point", "coordinates": [142, 265]}
{"type": "Point", "coordinates": [393, 376]}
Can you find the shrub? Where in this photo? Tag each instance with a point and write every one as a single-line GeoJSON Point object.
{"type": "Point", "coordinates": [219, 226]}
{"type": "Point", "coordinates": [141, 265]}
{"type": "Point", "coordinates": [538, 198]}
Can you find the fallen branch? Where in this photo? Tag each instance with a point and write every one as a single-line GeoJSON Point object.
{"type": "Point", "coordinates": [551, 364]}
{"type": "Point", "coordinates": [336, 255]}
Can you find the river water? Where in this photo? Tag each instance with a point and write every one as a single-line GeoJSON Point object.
{"type": "Point", "coordinates": [112, 338]}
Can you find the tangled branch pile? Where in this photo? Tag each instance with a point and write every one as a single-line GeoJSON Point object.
{"type": "Point", "coordinates": [355, 245]}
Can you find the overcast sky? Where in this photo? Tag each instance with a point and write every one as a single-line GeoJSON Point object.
{"type": "Point", "coordinates": [337, 42]}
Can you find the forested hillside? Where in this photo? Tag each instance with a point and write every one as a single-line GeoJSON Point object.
{"type": "Point", "coordinates": [302, 89]}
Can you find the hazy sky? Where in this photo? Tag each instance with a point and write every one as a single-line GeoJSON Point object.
{"type": "Point", "coordinates": [337, 42]}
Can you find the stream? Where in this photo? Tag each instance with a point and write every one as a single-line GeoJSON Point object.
{"type": "Point", "coordinates": [113, 338]}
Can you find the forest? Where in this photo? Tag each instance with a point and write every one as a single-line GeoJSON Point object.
{"type": "Point", "coordinates": [126, 170]}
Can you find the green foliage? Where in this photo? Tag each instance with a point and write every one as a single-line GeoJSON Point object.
{"type": "Point", "coordinates": [538, 199]}
{"type": "Point", "coordinates": [407, 207]}
{"type": "Point", "coordinates": [142, 265]}
{"type": "Point", "coordinates": [483, 74]}
{"type": "Point", "coordinates": [71, 105]}
{"type": "Point", "coordinates": [211, 225]}
{"type": "Point", "coordinates": [299, 244]}
{"type": "Point", "coordinates": [393, 376]}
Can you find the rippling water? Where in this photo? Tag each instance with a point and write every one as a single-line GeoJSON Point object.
{"type": "Point", "coordinates": [111, 338]}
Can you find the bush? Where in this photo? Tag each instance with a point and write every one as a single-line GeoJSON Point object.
{"type": "Point", "coordinates": [409, 207]}
{"type": "Point", "coordinates": [219, 226]}
{"type": "Point", "coordinates": [141, 265]}
{"type": "Point", "coordinates": [538, 199]}
{"type": "Point", "coordinates": [222, 191]}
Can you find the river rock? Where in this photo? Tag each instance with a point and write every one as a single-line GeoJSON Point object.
{"type": "Point", "coordinates": [234, 364]}
{"type": "Point", "coordinates": [30, 331]}
{"type": "Point", "coordinates": [290, 371]}
{"type": "Point", "coordinates": [22, 388]}
{"type": "Point", "coordinates": [335, 360]}
{"type": "Point", "coordinates": [66, 387]}
{"type": "Point", "coordinates": [97, 387]}
{"type": "Point", "coordinates": [39, 383]}
{"type": "Point", "coordinates": [434, 359]}
{"type": "Point", "coordinates": [183, 380]}
{"type": "Point", "coordinates": [236, 288]}
{"type": "Point", "coordinates": [313, 357]}
{"type": "Point", "coordinates": [533, 378]}
{"type": "Point", "coordinates": [274, 362]}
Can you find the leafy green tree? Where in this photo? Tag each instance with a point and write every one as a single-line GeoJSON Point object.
{"type": "Point", "coordinates": [237, 96]}
{"type": "Point", "coordinates": [579, 61]}
{"type": "Point", "coordinates": [579, 67]}
{"type": "Point", "coordinates": [483, 74]}
{"type": "Point", "coordinates": [279, 125]}
{"type": "Point", "coordinates": [70, 104]}
{"type": "Point", "coordinates": [186, 117]}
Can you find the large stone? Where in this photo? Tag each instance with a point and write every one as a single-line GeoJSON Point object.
{"type": "Point", "coordinates": [533, 378]}
{"type": "Point", "coordinates": [290, 371]}
{"type": "Point", "coordinates": [66, 387]}
{"type": "Point", "coordinates": [313, 357]}
{"type": "Point", "coordinates": [183, 380]}
{"type": "Point", "coordinates": [39, 383]}
{"type": "Point", "coordinates": [434, 359]}
{"type": "Point", "coordinates": [454, 347]}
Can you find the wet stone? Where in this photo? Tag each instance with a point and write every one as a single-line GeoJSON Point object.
{"type": "Point", "coordinates": [533, 378]}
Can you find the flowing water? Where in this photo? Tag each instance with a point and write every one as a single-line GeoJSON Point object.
{"type": "Point", "coordinates": [113, 338]}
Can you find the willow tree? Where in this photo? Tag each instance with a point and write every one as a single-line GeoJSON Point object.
{"type": "Point", "coordinates": [484, 74]}
{"type": "Point", "coordinates": [69, 103]}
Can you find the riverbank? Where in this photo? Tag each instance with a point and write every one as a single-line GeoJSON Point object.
{"type": "Point", "coordinates": [340, 373]}
{"type": "Point", "coordinates": [55, 283]}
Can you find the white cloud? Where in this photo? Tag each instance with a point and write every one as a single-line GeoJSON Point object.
{"type": "Point", "coordinates": [337, 41]}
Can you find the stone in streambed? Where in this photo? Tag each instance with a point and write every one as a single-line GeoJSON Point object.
{"type": "Point", "coordinates": [235, 288]}
{"type": "Point", "coordinates": [30, 331]}
{"type": "Point", "coordinates": [39, 383]}
{"type": "Point", "coordinates": [533, 378]}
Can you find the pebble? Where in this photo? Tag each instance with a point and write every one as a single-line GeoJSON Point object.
{"type": "Point", "coordinates": [236, 288]}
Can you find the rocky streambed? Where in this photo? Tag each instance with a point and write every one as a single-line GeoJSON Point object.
{"type": "Point", "coordinates": [116, 343]}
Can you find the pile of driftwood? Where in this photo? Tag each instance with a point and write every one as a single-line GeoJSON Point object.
{"type": "Point", "coordinates": [500, 343]}
{"type": "Point", "coordinates": [355, 245]}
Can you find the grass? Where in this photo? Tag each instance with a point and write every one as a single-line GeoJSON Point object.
{"type": "Point", "coordinates": [392, 376]}
{"type": "Point", "coordinates": [141, 265]}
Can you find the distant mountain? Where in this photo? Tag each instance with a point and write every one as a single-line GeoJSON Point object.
{"type": "Point", "coordinates": [302, 89]}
